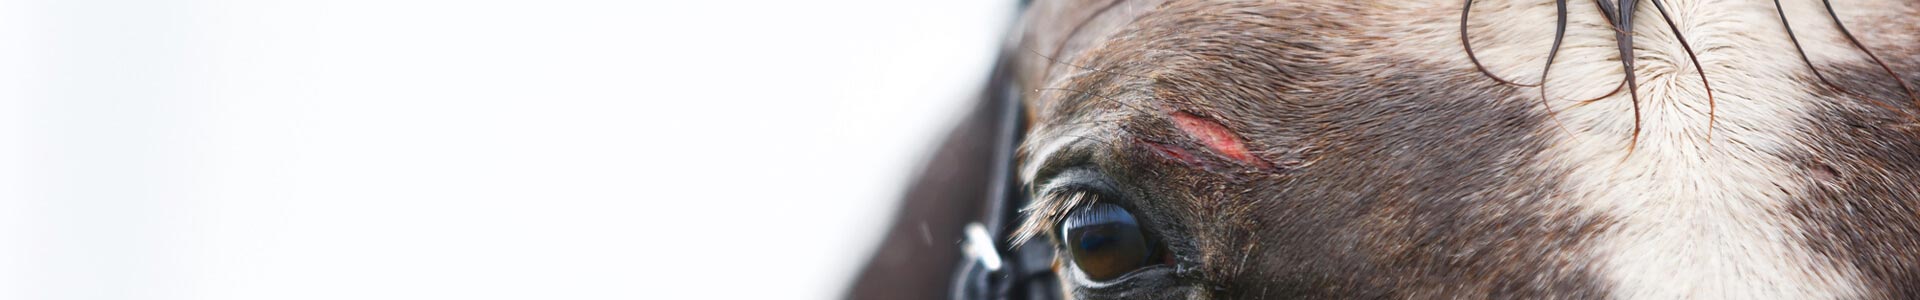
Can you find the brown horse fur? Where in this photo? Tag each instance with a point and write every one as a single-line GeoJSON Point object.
{"type": "Point", "coordinates": [1743, 160]}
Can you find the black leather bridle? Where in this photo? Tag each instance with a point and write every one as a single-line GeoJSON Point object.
{"type": "Point", "coordinates": [994, 268]}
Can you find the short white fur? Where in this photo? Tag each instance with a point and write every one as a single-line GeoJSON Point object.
{"type": "Point", "coordinates": [1699, 210]}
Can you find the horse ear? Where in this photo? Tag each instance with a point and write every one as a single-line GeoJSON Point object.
{"type": "Point", "coordinates": [920, 253]}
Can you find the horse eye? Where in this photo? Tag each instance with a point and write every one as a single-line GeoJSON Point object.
{"type": "Point", "coordinates": [1105, 241]}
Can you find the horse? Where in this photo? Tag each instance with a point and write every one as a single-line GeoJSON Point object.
{"type": "Point", "coordinates": [1426, 149]}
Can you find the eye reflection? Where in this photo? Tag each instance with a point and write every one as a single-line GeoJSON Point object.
{"type": "Point", "coordinates": [1105, 241]}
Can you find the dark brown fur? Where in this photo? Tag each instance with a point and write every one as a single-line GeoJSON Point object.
{"type": "Point", "coordinates": [1395, 190]}
{"type": "Point", "coordinates": [1861, 205]}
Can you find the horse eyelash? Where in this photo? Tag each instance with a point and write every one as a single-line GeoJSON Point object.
{"type": "Point", "coordinates": [1046, 212]}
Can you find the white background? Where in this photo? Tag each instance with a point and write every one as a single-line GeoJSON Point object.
{"type": "Point", "coordinates": [442, 149]}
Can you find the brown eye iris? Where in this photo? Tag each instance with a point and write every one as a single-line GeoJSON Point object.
{"type": "Point", "coordinates": [1105, 241]}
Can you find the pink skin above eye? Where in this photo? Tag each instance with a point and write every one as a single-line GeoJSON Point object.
{"type": "Point", "coordinates": [1217, 137]}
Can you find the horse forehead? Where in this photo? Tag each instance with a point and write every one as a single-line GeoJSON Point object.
{"type": "Point", "coordinates": [1707, 193]}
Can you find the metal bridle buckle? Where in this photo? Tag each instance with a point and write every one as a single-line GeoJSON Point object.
{"type": "Point", "coordinates": [980, 247]}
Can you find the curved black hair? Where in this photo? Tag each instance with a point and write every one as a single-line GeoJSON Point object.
{"type": "Point", "coordinates": [1619, 15]}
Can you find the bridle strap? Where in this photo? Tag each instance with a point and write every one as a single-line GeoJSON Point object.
{"type": "Point", "coordinates": [995, 269]}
